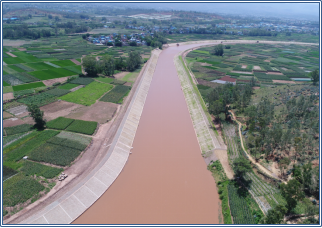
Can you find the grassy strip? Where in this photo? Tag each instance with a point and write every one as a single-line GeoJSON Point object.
{"type": "Point", "coordinates": [222, 182]}
{"type": "Point", "coordinates": [21, 141]}
{"type": "Point", "coordinates": [18, 129]}
{"type": "Point", "coordinates": [105, 80]}
{"type": "Point", "coordinates": [68, 86]}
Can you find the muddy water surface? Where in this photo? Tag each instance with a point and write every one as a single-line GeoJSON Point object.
{"type": "Point", "coordinates": [165, 180]}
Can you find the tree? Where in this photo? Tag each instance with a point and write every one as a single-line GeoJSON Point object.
{"type": "Point", "coordinates": [50, 16]}
{"type": "Point", "coordinates": [133, 43]}
{"type": "Point", "coordinates": [241, 166]}
{"type": "Point", "coordinates": [38, 116]}
{"type": "Point", "coordinates": [315, 77]}
{"type": "Point", "coordinates": [107, 65]}
{"type": "Point", "coordinates": [133, 61]}
{"type": "Point", "coordinates": [292, 192]}
{"type": "Point", "coordinates": [219, 50]}
{"type": "Point", "coordinates": [275, 215]}
{"type": "Point", "coordinates": [56, 18]}
{"type": "Point", "coordinates": [215, 108]}
{"type": "Point", "coordinates": [90, 66]}
{"type": "Point", "coordinates": [284, 163]}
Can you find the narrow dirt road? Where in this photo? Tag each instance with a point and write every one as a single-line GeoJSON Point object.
{"type": "Point", "coordinates": [259, 166]}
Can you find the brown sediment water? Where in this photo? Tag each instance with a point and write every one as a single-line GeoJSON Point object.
{"type": "Point", "coordinates": [165, 180]}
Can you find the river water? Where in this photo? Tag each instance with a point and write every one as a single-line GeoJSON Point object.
{"type": "Point", "coordinates": [165, 180]}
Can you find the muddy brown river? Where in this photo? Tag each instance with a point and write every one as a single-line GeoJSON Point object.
{"type": "Point", "coordinates": [165, 180]}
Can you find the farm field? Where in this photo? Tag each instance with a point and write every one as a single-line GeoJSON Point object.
{"type": "Point", "coordinates": [266, 62]}
{"type": "Point", "coordinates": [116, 94]}
{"type": "Point", "coordinates": [87, 95]}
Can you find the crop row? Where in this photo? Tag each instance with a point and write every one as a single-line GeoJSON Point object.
{"type": "Point", "coordinates": [32, 168]}
{"type": "Point", "coordinates": [116, 94]}
{"type": "Point", "coordinates": [238, 206]}
{"type": "Point", "coordinates": [38, 99]}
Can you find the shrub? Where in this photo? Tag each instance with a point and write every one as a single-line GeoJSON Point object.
{"type": "Point", "coordinates": [60, 123]}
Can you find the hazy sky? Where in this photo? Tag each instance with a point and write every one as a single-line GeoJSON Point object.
{"type": "Point", "coordinates": [293, 10]}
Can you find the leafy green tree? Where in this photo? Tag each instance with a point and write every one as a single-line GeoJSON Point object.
{"type": "Point", "coordinates": [241, 165]}
{"type": "Point", "coordinates": [292, 192]}
{"type": "Point", "coordinates": [50, 16]}
{"type": "Point", "coordinates": [90, 66]}
{"type": "Point", "coordinates": [275, 215]}
{"type": "Point", "coordinates": [315, 77]}
{"type": "Point", "coordinates": [37, 115]}
{"type": "Point", "coordinates": [133, 61]}
{"type": "Point", "coordinates": [107, 65]}
{"type": "Point", "coordinates": [284, 162]}
{"type": "Point", "coordinates": [219, 50]}
{"type": "Point", "coordinates": [215, 108]}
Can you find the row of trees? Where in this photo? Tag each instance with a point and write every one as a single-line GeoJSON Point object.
{"type": "Point", "coordinates": [107, 65]}
{"type": "Point", "coordinates": [22, 31]}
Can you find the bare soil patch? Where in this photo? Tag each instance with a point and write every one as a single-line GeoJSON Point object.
{"type": "Point", "coordinates": [277, 73]}
{"type": "Point", "coordinates": [12, 55]}
{"type": "Point", "coordinates": [21, 115]}
{"type": "Point", "coordinates": [266, 60]}
{"type": "Point", "coordinates": [22, 49]}
{"type": "Point", "coordinates": [75, 61]}
{"type": "Point", "coordinates": [12, 122]}
{"type": "Point", "coordinates": [121, 74]}
{"type": "Point", "coordinates": [145, 56]}
{"type": "Point", "coordinates": [52, 81]}
{"type": "Point", "coordinates": [17, 43]}
{"type": "Point", "coordinates": [4, 63]}
{"type": "Point", "coordinates": [257, 68]}
{"type": "Point", "coordinates": [284, 68]}
{"type": "Point", "coordinates": [205, 64]}
{"type": "Point", "coordinates": [6, 115]}
{"type": "Point", "coordinates": [8, 96]}
{"type": "Point", "coordinates": [241, 72]}
{"type": "Point", "coordinates": [101, 112]}
{"type": "Point", "coordinates": [244, 66]}
{"type": "Point", "coordinates": [76, 88]}
{"type": "Point", "coordinates": [128, 83]}
{"type": "Point", "coordinates": [58, 108]}
{"type": "Point", "coordinates": [282, 81]}
{"type": "Point", "coordinates": [256, 87]}
{"type": "Point", "coordinates": [29, 120]}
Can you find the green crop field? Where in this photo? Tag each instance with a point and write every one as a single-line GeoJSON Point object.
{"type": "Point", "coordinates": [32, 168]}
{"type": "Point", "coordinates": [57, 92]}
{"type": "Point", "coordinates": [17, 129]}
{"type": "Point", "coordinates": [84, 127]}
{"type": "Point", "coordinates": [116, 94]}
{"type": "Point", "coordinates": [23, 150]}
{"type": "Point", "coordinates": [67, 142]}
{"type": "Point", "coordinates": [12, 60]}
{"type": "Point", "coordinates": [87, 95]}
{"type": "Point", "coordinates": [8, 172]}
{"type": "Point", "coordinates": [52, 73]}
{"type": "Point", "coordinates": [76, 69]}
{"type": "Point", "coordinates": [15, 68]}
{"type": "Point", "coordinates": [64, 63]}
{"type": "Point", "coordinates": [105, 80]}
{"type": "Point", "coordinates": [39, 66]}
{"type": "Point", "coordinates": [60, 123]}
{"type": "Point", "coordinates": [28, 86]}
{"type": "Point", "coordinates": [68, 86]}
{"type": "Point", "coordinates": [27, 58]}
{"type": "Point", "coordinates": [54, 154]}
{"type": "Point", "coordinates": [82, 81]}
{"type": "Point", "coordinates": [38, 99]}
{"type": "Point", "coordinates": [81, 139]}
{"type": "Point", "coordinates": [19, 189]}
{"type": "Point", "coordinates": [5, 84]}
